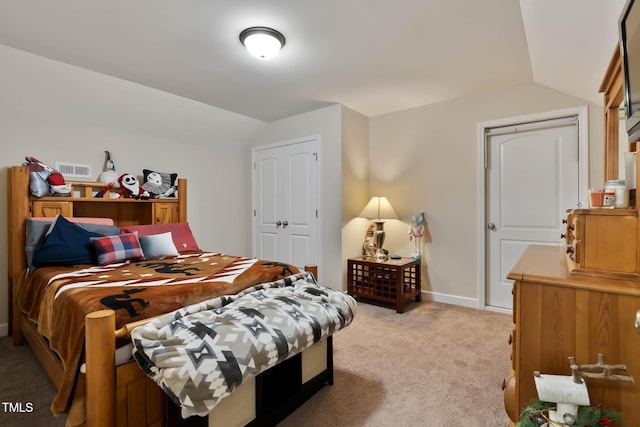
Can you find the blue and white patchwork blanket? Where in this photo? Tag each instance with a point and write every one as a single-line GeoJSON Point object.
{"type": "Point", "coordinates": [200, 354]}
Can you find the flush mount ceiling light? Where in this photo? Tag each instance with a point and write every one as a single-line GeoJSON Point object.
{"type": "Point", "coordinates": [262, 42]}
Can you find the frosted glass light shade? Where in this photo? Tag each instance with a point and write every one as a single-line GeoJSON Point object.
{"type": "Point", "coordinates": [378, 208]}
{"type": "Point", "coordinates": [262, 42]}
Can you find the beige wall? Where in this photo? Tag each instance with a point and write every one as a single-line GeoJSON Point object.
{"type": "Point", "coordinates": [355, 183]}
{"type": "Point", "coordinates": [55, 112]}
{"type": "Point", "coordinates": [422, 159]}
{"type": "Point", "coordinates": [425, 159]}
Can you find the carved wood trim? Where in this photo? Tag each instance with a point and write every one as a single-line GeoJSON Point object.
{"type": "Point", "coordinates": [612, 87]}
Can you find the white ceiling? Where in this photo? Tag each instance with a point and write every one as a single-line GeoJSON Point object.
{"type": "Point", "coordinates": [374, 56]}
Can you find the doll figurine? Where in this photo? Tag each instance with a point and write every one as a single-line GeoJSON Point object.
{"type": "Point", "coordinates": [416, 232]}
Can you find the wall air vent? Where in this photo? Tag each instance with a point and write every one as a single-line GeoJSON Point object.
{"type": "Point", "coordinates": [73, 170]}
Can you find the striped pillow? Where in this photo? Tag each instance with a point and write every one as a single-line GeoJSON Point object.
{"type": "Point", "coordinates": [118, 248]}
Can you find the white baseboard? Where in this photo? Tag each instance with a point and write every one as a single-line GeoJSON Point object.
{"type": "Point", "coordinates": [462, 301]}
{"type": "Point", "coordinates": [499, 309]}
{"type": "Point", "coordinates": [450, 299]}
{"type": "Point", "coordinates": [4, 329]}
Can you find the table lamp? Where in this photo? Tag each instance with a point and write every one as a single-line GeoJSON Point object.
{"type": "Point", "coordinates": [379, 209]}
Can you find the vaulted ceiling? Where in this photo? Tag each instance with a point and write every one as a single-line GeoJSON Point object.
{"type": "Point", "coordinates": [374, 56]}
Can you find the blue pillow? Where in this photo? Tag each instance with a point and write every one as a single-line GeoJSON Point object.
{"type": "Point", "coordinates": [66, 244]}
{"type": "Point", "coordinates": [37, 230]}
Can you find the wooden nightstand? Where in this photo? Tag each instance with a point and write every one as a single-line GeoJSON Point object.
{"type": "Point", "coordinates": [394, 281]}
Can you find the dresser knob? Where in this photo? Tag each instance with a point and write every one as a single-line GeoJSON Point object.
{"type": "Point", "coordinates": [563, 236]}
{"type": "Point", "coordinates": [564, 220]}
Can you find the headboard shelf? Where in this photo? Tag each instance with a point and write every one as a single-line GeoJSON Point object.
{"type": "Point", "coordinates": [88, 190]}
{"type": "Point", "coordinates": [99, 199]}
{"type": "Point", "coordinates": [124, 212]}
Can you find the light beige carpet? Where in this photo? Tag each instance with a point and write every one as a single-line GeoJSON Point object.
{"type": "Point", "coordinates": [436, 365]}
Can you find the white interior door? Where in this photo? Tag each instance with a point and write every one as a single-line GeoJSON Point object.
{"type": "Point", "coordinates": [268, 204]}
{"type": "Point", "coordinates": [286, 203]}
{"type": "Point", "coordinates": [300, 222]}
{"type": "Point", "coordinates": [532, 179]}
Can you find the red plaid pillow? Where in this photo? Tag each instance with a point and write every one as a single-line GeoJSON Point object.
{"type": "Point", "coordinates": [118, 248]}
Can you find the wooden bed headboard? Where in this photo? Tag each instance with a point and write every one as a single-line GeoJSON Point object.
{"type": "Point", "coordinates": [81, 203]}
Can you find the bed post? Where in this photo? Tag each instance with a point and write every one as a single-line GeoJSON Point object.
{"type": "Point", "coordinates": [182, 200]}
{"type": "Point", "coordinates": [17, 210]}
{"type": "Point", "coordinates": [313, 269]}
{"type": "Point", "coordinates": [100, 348]}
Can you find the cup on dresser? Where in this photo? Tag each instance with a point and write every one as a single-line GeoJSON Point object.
{"type": "Point", "coordinates": [599, 198]}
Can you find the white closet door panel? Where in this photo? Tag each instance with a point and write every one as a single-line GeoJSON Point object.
{"type": "Point", "coordinates": [300, 206]}
{"type": "Point", "coordinates": [268, 244]}
{"type": "Point", "coordinates": [268, 199]}
{"type": "Point", "coordinates": [301, 197]}
{"type": "Point", "coordinates": [301, 252]}
{"type": "Point", "coordinates": [300, 203]}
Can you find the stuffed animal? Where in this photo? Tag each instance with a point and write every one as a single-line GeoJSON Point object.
{"type": "Point", "coordinates": [45, 180]}
{"type": "Point", "coordinates": [58, 184]}
{"type": "Point", "coordinates": [129, 187]}
{"type": "Point", "coordinates": [416, 231]}
{"type": "Point", "coordinates": [159, 185]}
{"type": "Point", "coordinates": [108, 175]}
{"type": "Point", "coordinates": [107, 190]}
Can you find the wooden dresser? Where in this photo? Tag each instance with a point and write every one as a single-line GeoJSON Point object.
{"type": "Point", "coordinates": [557, 315]}
{"type": "Point", "coordinates": [603, 243]}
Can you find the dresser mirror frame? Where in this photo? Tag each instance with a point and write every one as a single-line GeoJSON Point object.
{"type": "Point", "coordinates": [612, 87]}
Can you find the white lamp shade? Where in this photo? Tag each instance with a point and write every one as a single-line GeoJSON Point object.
{"type": "Point", "coordinates": [262, 45]}
{"type": "Point", "coordinates": [379, 208]}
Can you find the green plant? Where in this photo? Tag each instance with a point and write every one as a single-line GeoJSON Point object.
{"type": "Point", "coordinates": [537, 413]}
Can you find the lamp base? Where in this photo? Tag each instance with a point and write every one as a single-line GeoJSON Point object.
{"type": "Point", "coordinates": [381, 256]}
{"type": "Point", "coordinates": [379, 234]}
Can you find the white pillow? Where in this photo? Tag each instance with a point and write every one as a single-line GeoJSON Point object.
{"type": "Point", "coordinates": [157, 246]}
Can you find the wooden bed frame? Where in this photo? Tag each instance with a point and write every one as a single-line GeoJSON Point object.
{"type": "Point", "coordinates": [110, 391]}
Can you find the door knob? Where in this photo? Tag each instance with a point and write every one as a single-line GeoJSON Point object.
{"type": "Point", "coordinates": [491, 226]}
{"type": "Point", "coordinates": [284, 224]}
{"type": "Point", "coordinates": [278, 224]}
